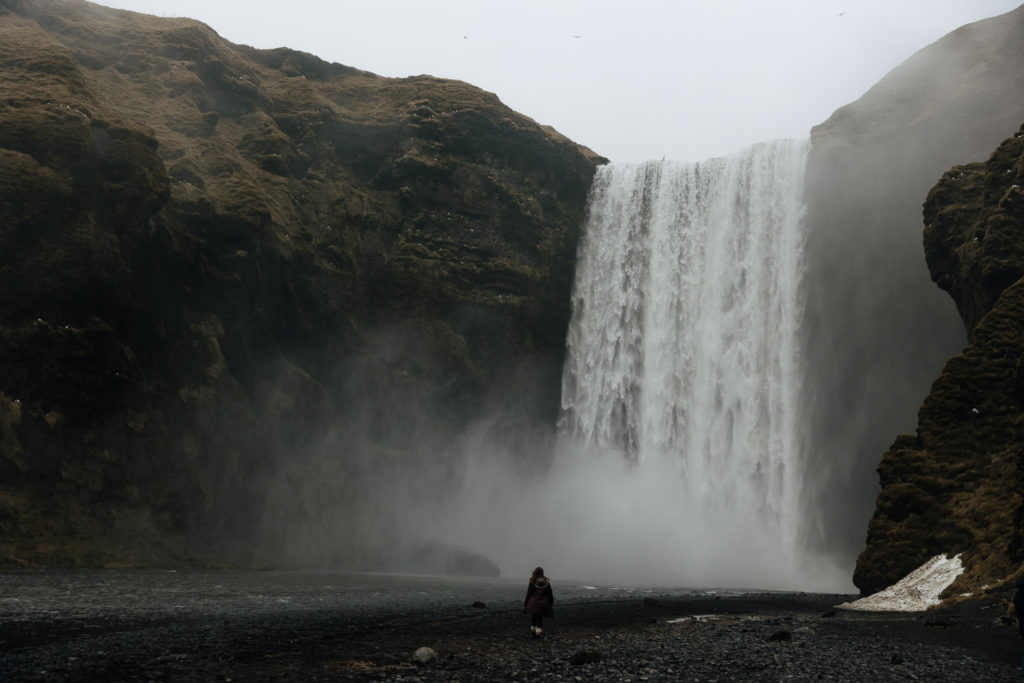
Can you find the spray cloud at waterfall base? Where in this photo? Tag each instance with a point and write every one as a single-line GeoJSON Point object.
{"type": "Point", "coordinates": [681, 452]}
{"type": "Point", "coordinates": [681, 448]}
{"type": "Point", "coordinates": [596, 517]}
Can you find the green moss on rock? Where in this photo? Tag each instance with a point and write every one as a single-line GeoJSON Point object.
{"type": "Point", "coordinates": [212, 255]}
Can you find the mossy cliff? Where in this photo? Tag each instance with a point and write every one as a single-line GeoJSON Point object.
{"type": "Point", "coordinates": [956, 485]}
{"type": "Point", "coordinates": [222, 267]}
{"type": "Point", "coordinates": [878, 329]}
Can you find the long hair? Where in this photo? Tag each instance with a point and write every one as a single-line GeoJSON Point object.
{"type": "Point", "coordinates": [537, 573]}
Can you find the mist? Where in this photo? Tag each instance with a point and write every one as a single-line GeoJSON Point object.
{"type": "Point", "coordinates": [595, 517]}
{"type": "Point", "coordinates": [586, 514]}
{"type": "Point", "coordinates": [678, 459]}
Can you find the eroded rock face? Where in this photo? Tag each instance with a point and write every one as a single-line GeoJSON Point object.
{"type": "Point", "coordinates": [955, 486]}
{"type": "Point", "coordinates": [224, 268]}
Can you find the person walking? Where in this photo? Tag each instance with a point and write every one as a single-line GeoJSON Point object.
{"type": "Point", "coordinates": [539, 602]}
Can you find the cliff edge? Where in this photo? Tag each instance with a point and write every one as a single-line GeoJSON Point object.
{"type": "Point", "coordinates": [233, 282]}
{"type": "Point", "coordinates": [878, 330]}
{"type": "Point", "coordinates": [956, 485]}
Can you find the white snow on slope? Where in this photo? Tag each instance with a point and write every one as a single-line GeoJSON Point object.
{"type": "Point", "coordinates": [915, 592]}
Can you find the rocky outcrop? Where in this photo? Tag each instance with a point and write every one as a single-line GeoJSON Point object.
{"type": "Point", "coordinates": [233, 282]}
{"type": "Point", "coordinates": [878, 328]}
{"type": "Point", "coordinates": [956, 485]}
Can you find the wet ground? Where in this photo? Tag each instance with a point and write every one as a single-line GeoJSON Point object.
{"type": "Point", "coordinates": [244, 626]}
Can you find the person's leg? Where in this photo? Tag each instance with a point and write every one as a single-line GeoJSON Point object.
{"type": "Point", "coordinates": [540, 623]}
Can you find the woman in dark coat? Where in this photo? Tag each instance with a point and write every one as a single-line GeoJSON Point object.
{"type": "Point", "coordinates": [540, 601]}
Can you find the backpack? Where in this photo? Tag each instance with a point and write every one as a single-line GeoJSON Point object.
{"type": "Point", "coordinates": [539, 590]}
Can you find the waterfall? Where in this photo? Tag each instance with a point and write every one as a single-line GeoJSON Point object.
{"type": "Point", "coordinates": [682, 353]}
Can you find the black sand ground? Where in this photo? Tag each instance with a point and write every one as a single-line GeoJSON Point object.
{"type": "Point", "coordinates": [769, 637]}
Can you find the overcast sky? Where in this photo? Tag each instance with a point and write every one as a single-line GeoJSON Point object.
{"type": "Point", "coordinates": [631, 79]}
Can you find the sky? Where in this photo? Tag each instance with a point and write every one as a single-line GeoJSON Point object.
{"type": "Point", "coordinates": [631, 79]}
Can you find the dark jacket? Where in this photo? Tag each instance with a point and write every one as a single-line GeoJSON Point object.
{"type": "Point", "coordinates": [539, 598]}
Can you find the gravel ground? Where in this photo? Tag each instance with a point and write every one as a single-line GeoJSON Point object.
{"type": "Point", "coordinates": [370, 632]}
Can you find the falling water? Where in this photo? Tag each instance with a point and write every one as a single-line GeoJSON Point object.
{"type": "Point", "coordinates": [683, 346]}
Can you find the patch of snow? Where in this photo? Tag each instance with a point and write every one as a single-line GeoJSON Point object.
{"type": "Point", "coordinates": [692, 617]}
{"type": "Point", "coordinates": [915, 592]}
{"type": "Point", "coordinates": [713, 618]}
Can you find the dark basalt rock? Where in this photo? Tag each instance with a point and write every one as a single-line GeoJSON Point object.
{"type": "Point", "coordinates": [230, 276]}
{"type": "Point", "coordinates": [435, 557]}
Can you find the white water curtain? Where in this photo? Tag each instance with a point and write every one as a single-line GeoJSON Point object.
{"type": "Point", "coordinates": [683, 346]}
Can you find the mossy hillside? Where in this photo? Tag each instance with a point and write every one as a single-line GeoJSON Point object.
{"type": "Point", "coordinates": [209, 253]}
{"type": "Point", "coordinates": [955, 485]}
{"type": "Point", "coordinates": [878, 331]}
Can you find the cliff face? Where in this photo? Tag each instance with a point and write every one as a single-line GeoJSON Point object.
{"type": "Point", "coordinates": [878, 328]}
{"type": "Point", "coordinates": [233, 281]}
{"type": "Point", "coordinates": [956, 485]}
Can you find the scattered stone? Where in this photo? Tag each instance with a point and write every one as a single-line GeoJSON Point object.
{"type": "Point", "coordinates": [896, 658]}
{"type": "Point", "coordinates": [479, 605]}
{"type": "Point", "coordinates": [585, 657]}
{"type": "Point", "coordinates": [829, 614]}
{"type": "Point", "coordinates": [778, 659]}
{"type": "Point", "coordinates": [780, 636]}
{"type": "Point", "coordinates": [424, 655]}
{"type": "Point", "coordinates": [653, 602]}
